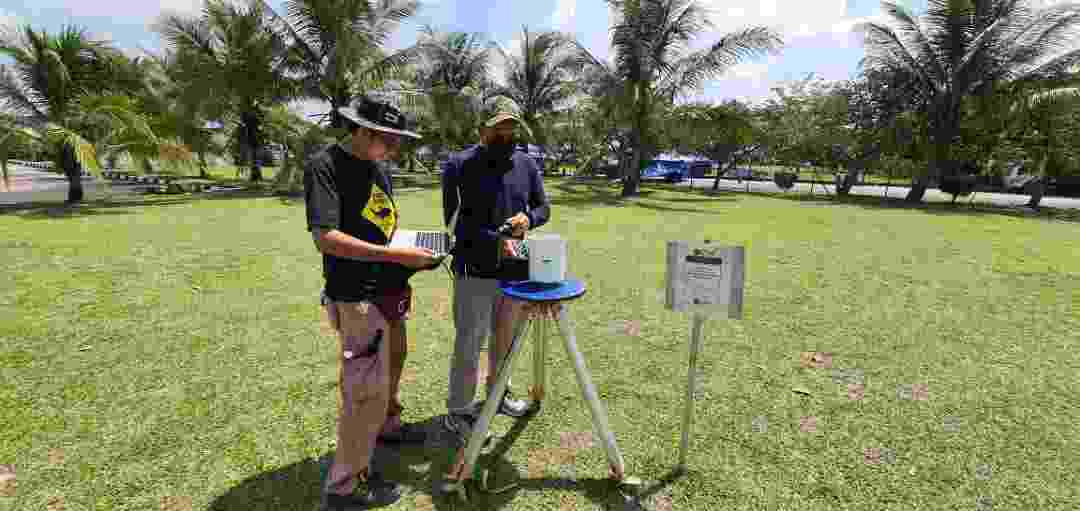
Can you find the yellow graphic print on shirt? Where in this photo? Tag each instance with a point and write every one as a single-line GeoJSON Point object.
{"type": "Point", "coordinates": [380, 211]}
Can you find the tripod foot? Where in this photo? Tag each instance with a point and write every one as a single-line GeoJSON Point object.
{"type": "Point", "coordinates": [494, 491]}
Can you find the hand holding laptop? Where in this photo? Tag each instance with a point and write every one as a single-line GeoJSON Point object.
{"type": "Point", "coordinates": [417, 258]}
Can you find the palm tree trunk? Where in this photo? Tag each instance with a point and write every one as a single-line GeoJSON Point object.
{"type": "Point", "coordinates": [851, 178]}
{"type": "Point", "coordinates": [73, 171]}
{"type": "Point", "coordinates": [1037, 188]}
{"type": "Point", "coordinates": [720, 172]}
{"type": "Point", "coordinates": [253, 145]}
{"type": "Point", "coordinates": [202, 164]}
{"type": "Point", "coordinates": [938, 167]}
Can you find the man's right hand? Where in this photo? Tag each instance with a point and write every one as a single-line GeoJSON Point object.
{"type": "Point", "coordinates": [508, 248]}
{"type": "Point", "coordinates": [415, 258]}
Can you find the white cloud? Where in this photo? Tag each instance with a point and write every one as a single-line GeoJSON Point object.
{"type": "Point", "coordinates": [748, 70]}
{"type": "Point", "coordinates": [102, 36]}
{"type": "Point", "coordinates": [141, 10]}
{"type": "Point", "coordinates": [565, 15]}
{"type": "Point", "coordinates": [497, 68]}
{"type": "Point", "coordinates": [794, 18]}
{"type": "Point", "coordinates": [9, 21]}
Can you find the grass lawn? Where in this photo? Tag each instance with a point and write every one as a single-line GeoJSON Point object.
{"type": "Point", "coordinates": [176, 354]}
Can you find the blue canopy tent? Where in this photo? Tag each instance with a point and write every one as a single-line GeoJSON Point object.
{"type": "Point", "coordinates": [674, 168]}
{"type": "Point", "coordinates": [668, 170]}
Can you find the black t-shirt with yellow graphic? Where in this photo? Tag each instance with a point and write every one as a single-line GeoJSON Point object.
{"type": "Point", "coordinates": [355, 197]}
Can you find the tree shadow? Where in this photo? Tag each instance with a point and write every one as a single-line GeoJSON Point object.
{"type": "Point", "coordinates": [419, 470]}
{"type": "Point", "coordinates": [123, 206]}
{"type": "Point", "coordinates": [589, 194]}
{"type": "Point", "coordinates": [657, 207]}
{"type": "Point", "coordinates": [960, 207]}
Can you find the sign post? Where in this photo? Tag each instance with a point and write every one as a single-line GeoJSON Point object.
{"type": "Point", "coordinates": [705, 280]}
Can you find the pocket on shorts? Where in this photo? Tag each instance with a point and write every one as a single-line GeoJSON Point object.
{"type": "Point", "coordinates": [362, 332]}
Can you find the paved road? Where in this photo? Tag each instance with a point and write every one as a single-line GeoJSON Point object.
{"type": "Point", "coordinates": [932, 195]}
{"type": "Point", "coordinates": [32, 185]}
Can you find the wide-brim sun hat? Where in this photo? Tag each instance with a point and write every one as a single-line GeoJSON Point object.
{"type": "Point", "coordinates": [370, 113]}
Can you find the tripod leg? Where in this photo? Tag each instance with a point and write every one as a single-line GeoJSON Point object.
{"type": "Point", "coordinates": [464, 468]}
{"type": "Point", "coordinates": [599, 414]}
{"type": "Point", "coordinates": [540, 345]}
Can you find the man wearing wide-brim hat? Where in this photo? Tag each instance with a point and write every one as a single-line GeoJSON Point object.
{"type": "Point", "coordinates": [492, 183]}
{"type": "Point", "coordinates": [352, 216]}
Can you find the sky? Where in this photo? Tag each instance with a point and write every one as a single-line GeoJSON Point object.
{"type": "Point", "coordinates": [818, 34]}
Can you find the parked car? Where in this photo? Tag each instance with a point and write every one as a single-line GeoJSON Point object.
{"type": "Point", "coordinates": [1017, 176]}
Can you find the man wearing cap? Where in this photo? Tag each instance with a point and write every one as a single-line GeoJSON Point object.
{"type": "Point", "coordinates": [352, 217]}
{"type": "Point", "coordinates": [488, 184]}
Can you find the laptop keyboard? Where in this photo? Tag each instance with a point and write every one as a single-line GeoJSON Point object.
{"type": "Point", "coordinates": [436, 242]}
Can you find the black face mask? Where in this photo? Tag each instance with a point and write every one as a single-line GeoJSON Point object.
{"type": "Point", "coordinates": [501, 147]}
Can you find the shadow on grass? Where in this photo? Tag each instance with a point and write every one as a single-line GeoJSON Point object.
{"type": "Point", "coordinates": [121, 206]}
{"type": "Point", "coordinates": [592, 194]}
{"type": "Point", "coordinates": [960, 207]}
{"type": "Point", "coordinates": [419, 470]}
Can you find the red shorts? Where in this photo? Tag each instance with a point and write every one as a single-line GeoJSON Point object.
{"type": "Point", "coordinates": [395, 305]}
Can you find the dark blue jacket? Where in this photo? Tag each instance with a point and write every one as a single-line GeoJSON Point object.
{"type": "Point", "coordinates": [490, 193]}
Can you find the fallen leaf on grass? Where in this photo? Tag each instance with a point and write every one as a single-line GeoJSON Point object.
{"type": "Point", "coordinates": [7, 481]}
{"type": "Point", "coordinates": [55, 503]}
{"type": "Point", "coordinates": [423, 503]}
{"type": "Point", "coordinates": [175, 503]}
{"type": "Point", "coordinates": [801, 390]}
{"type": "Point", "coordinates": [576, 441]}
{"type": "Point", "coordinates": [662, 503]}
{"type": "Point", "coordinates": [56, 456]}
{"type": "Point", "coordinates": [540, 460]}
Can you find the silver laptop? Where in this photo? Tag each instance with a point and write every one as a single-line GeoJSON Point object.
{"type": "Point", "coordinates": [435, 241]}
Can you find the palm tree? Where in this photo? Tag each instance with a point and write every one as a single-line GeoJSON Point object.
{"type": "Point", "coordinates": [288, 129]}
{"type": "Point", "coordinates": [179, 103]}
{"type": "Point", "coordinates": [240, 57]}
{"type": "Point", "coordinates": [14, 139]}
{"type": "Point", "coordinates": [538, 80]}
{"type": "Point", "coordinates": [65, 90]}
{"type": "Point", "coordinates": [453, 73]}
{"type": "Point", "coordinates": [653, 66]}
{"type": "Point", "coordinates": [962, 48]}
{"type": "Point", "coordinates": [723, 132]}
{"type": "Point", "coordinates": [336, 46]}
{"type": "Point", "coordinates": [1045, 116]}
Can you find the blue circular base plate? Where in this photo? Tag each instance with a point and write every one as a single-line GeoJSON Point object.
{"type": "Point", "coordinates": [531, 291]}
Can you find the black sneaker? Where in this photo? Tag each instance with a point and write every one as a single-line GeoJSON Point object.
{"type": "Point", "coordinates": [375, 492]}
{"type": "Point", "coordinates": [411, 433]}
{"type": "Point", "coordinates": [460, 424]}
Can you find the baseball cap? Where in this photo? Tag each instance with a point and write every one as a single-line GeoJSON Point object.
{"type": "Point", "coordinates": [506, 116]}
{"type": "Point", "coordinates": [377, 115]}
{"type": "Point", "coordinates": [500, 117]}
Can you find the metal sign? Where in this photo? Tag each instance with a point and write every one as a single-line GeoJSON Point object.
{"type": "Point", "coordinates": [705, 279]}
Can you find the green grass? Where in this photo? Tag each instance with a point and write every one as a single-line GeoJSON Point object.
{"type": "Point", "coordinates": [177, 350]}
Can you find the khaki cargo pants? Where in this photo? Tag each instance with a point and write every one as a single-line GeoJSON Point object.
{"type": "Point", "coordinates": [364, 383]}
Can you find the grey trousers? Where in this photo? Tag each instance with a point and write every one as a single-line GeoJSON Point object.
{"type": "Point", "coordinates": [477, 304]}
